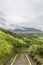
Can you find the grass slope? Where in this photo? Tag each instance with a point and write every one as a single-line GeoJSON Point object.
{"type": "Point", "coordinates": [12, 43]}
{"type": "Point", "coordinates": [35, 48]}
{"type": "Point", "coordinates": [9, 45]}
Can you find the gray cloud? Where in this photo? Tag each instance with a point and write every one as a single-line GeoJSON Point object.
{"type": "Point", "coordinates": [23, 12]}
{"type": "Point", "coordinates": [3, 19]}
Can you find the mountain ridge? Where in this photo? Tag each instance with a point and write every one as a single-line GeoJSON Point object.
{"type": "Point", "coordinates": [25, 29]}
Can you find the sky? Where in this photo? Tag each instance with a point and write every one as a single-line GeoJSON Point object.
{"type": "Point", "coordinates": [18, 13]}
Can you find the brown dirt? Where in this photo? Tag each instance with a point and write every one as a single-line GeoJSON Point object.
{"type": "Point", "coordinates": [21, 60]}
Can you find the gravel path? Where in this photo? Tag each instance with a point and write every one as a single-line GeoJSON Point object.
{"type": "Point", "coordinates": [21, 60]}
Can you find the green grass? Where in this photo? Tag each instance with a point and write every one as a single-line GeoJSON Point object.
{"type": "Point", "coordinates": [13, 43]}
{"type": "Point", "coordinates": [9, 45]}
{"type": "Point", "coordinates": [36, 48]}
{"type": "Point", "coordinates": [5, 48]}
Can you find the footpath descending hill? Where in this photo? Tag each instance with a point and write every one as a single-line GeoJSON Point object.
{"type": "Point", "coordinates": [21, 60]}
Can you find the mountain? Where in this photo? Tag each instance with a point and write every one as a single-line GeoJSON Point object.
{"type": "Point", "coordinates": [25, 29]}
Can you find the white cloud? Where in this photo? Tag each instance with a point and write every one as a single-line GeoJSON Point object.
{"type": "Point", "coordinates": [21, 11]}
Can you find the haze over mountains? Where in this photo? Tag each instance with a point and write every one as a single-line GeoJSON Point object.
{"type": "Point", "coordinates": [15, 26]}
{"type": "Point", "coordinates": [25, 29]}
{"type": "Point", "coordinates": [24, 13]}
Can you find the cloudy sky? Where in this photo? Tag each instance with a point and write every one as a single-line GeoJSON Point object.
{"type": "Point", "coordinates": [28, 13]}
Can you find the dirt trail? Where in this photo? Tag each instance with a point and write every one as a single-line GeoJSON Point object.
{"type": "Point", "coordinates": [21, 60]}
{"type": "Point", "coordinates": [32, 61]}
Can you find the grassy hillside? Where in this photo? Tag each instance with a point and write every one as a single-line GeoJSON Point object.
{"type": "Point", "coordinates": [9, 45]}
{"type": "Point", "coordinates": [13, 43]}
{"type": "Point", "coordinates": [35, 48]}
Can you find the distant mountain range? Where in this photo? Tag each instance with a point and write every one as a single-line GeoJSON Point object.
{"type": "Point", "coordinates": [25, 29]}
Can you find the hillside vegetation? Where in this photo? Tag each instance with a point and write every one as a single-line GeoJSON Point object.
{"type": "Point", "coordinates": [34, 46]}
{"type": "Point", "coordinates": [9, 46]}
{"type": "Point", "coordinates": [13, 43]}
